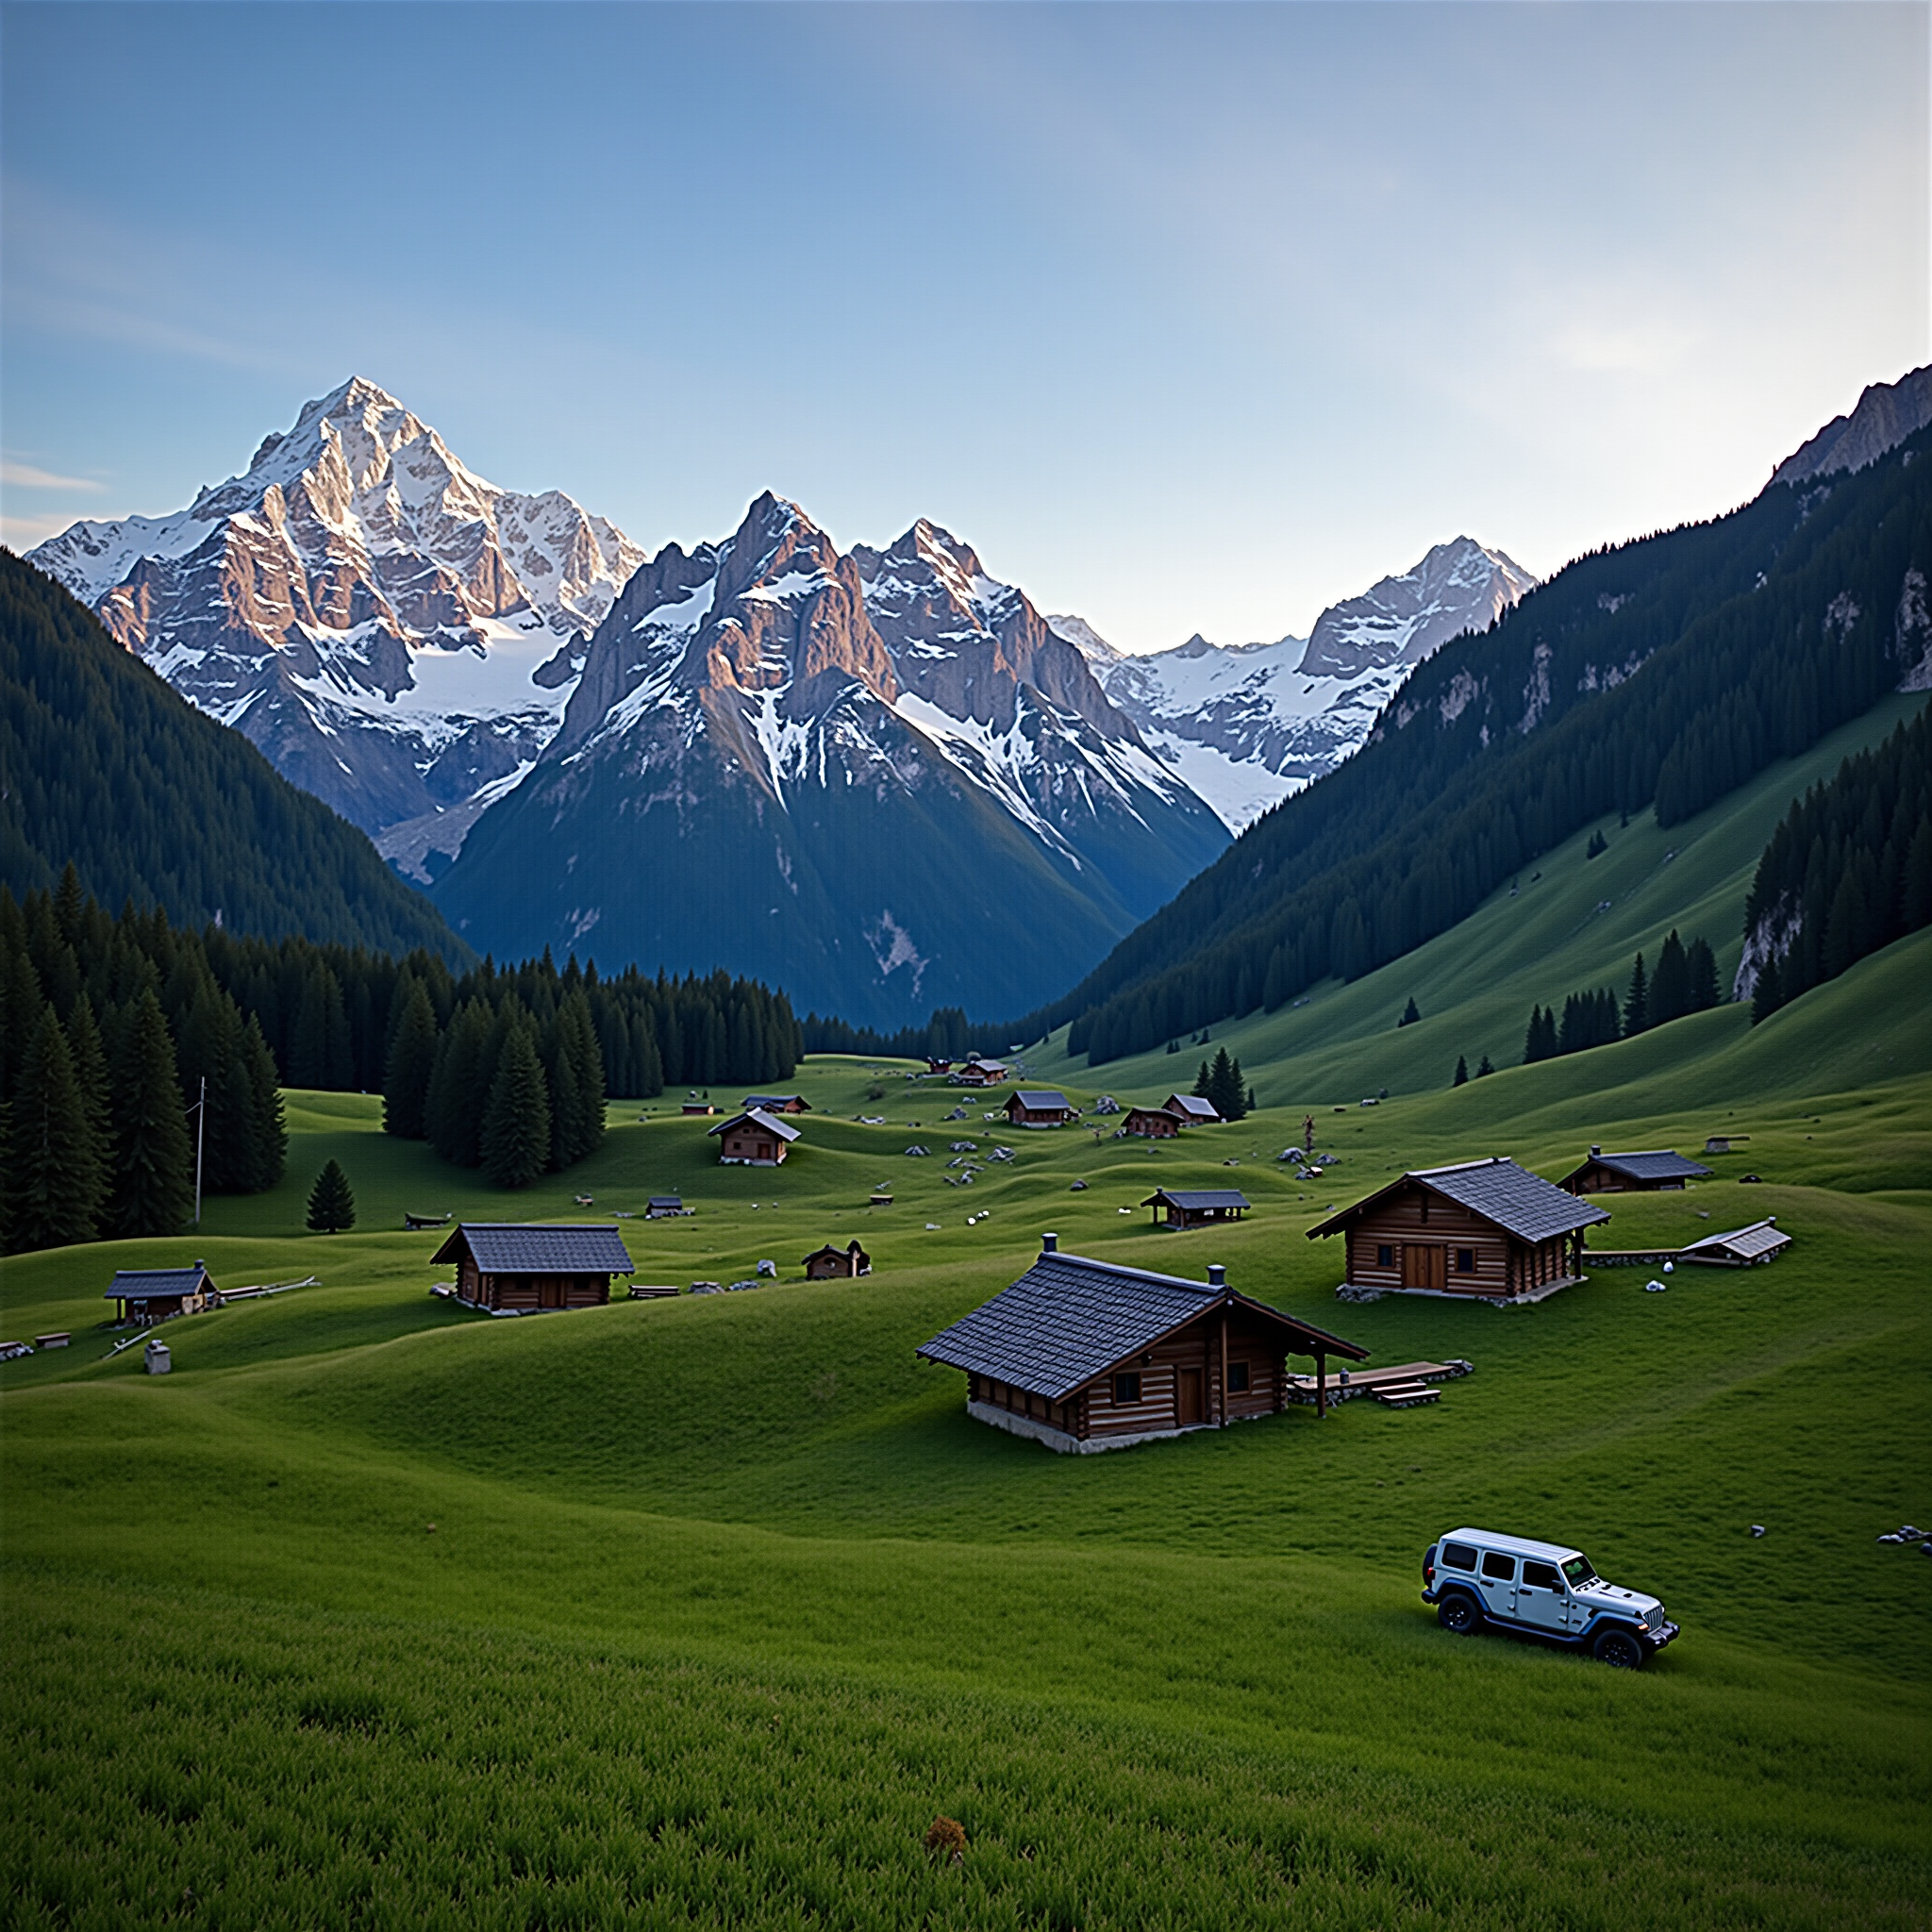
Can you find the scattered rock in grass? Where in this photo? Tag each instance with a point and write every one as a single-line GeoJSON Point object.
{"type": "Point", "coordinates": [769, 1270]}
{"type": "Point", "coordinates": [1654, 1287]}
{"type": "Point", "coordinates": [965, 1147]}
{"type": "Point", "coordinates": [932, 1227]}
{"type": "Point", "coordinates": [917, 1153]}
{"type": "Point", "coordinates": [1758, 1529]}
{"type": "Point", "coordinates": [1077, 1188]}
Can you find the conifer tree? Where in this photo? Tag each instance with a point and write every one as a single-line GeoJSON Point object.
{"type": "Point", "coordinates": [319, 1048]}
{"type": "Point", "coordinates": [268, 1134]}
{"type": "Point", "coordinates": [412, 1061]}
{"type": "Point", "coordinates": [1461, 1079]}
{"type": "Point", "coordinates": [90, 1075]}
{"type": "Point", "coordinates": [152, 1189]}
{"type": "Point", "coordinates": [1483, 1068]}
{"type": "Point", "coordinates": [1701, 964]}
{"type": "Point", "coordinates": [458, 1089]}
{"type": "Point", "coordinates": [516, 1123]}
{"type": "Point", "coordinates": [1410, 1013]}
{"type": "Point", "coordinates": [1636, 1002]}
{"type": "Point", "coordinates": [1670, 986]}
{"type": "Point", "coordinates": [54, 1170]}
{"type": "Point", "coordinates": [331, 1205]}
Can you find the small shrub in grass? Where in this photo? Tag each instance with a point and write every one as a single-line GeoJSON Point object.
{"type": "Point", "coordinates": [945, 1840]}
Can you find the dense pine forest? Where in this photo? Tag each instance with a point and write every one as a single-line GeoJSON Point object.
{"type": "Point", "coordinates": [1685, 982]}
{"type": "Point", "coordinates": [109, 1025]}
{"type": "Point", "coordinates": [1849, 871]}
{"type": "Point", "coordinates": [1655, 677]}
{"type": "Point", "coordinates": [102, 764]}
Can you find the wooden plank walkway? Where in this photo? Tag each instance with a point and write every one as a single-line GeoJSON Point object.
{"type": "Point", "coordinates": [1379, 1382]}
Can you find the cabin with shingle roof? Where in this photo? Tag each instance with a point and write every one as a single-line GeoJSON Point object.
{"type": "Point", "coordinates": [531, 1266]}
{"type": "Point", "coordinates": [1151, 1123]}
{"type": "Point", "coordinates": [146, 1296]}
{"type": "Point", "coordinates": [1185, 1207]}
{"type": "Point", "coordinates": [778, 1103]}
{"type": "Point", "coordinates": [974, 1072]}
{"type": "Point", "coordinates": [753, 1138]}
{"type": "Point", "coordinates": [1084, 1355]}
{"type": "Point", "coordinates": [830, 1263]}
{"type": "Point", "coordinates": [1044, 1108]}
{"type": "Point", "coordinates": [1194, 1108]}
{"type": "Point", "coordinates": [1484, 1229]}
{"type": "Point", "coordinates": [1631, 1173]}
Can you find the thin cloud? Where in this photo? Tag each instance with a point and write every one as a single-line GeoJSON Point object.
{"type": "Point", "coordinates": [30, 477]}
{"type": "Point", "coordinates": [21, 534]}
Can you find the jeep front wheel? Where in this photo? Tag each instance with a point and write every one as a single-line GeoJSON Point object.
{"type": "Point", "coordinates": [1457, 1615]}
{"type": "Point", "coordinates": [1619, 1649]}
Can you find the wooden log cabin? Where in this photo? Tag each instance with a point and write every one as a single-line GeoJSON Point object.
{"type": "Point", "coordinates": [974, 1072]}
{"type": "Point", "coordinates": [1484, 1229]}
{"type": "Point", "coordinates": [1185, 1207]}
{"type": "Point", "coordinates": [1632, 1173]}
{"type": "Point", "coordinates": [1085, 1355]}
{"type": "Point", "coordinates": [830, 1263]}
{"type": "Point", "coordinates": [1043, 1108]}
{"type": "Point", "coordinates": [531, 1266]}
{"type": "Point", "coordinates": [1192, 1109]}
{"type": "Point", "coordinates": [146, 1296]}
{"type": "Point", "coordinates": [754, 1138]}
{"type": "Point", "coordinates": [1151, 1124]}
{"type": "Point", "coordinates": [776, 1103]}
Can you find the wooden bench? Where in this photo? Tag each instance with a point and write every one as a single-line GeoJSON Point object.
{"type": "Point", "coordinates": [1406, 1394]}
{"type": "Point", "coordinates": [58, 1338]}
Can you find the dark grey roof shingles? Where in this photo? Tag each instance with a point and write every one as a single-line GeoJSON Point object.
{"type": "Point", "coordinates": [140, 1284]}
{"type": "Point", "coordinates": [1662, 1165]}
{"type": "Point", "coordinates": [1042, 1101]}
{"type": "Point", "coordinates": [508, 1247]}
{"type": "Point", "coordinates": [1523, 1203]}
{"type": "Point", "coordinates": [1196, 1198]}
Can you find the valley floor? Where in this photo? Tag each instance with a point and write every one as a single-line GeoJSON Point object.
{"type": "Point", "coordinates": [700, 1611]}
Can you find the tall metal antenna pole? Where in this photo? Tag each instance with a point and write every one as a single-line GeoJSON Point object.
{"type": "Point", "coordinates": [200, 1132]}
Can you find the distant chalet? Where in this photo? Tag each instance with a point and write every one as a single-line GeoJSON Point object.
{"type": "Point", "coordinates": [1045, 1109]}
{"type": "Point", "coordinates": [1151, 1123]}
{"type": "Point", "coordinates": [697, 1107]}
{"type": "Point", "coordinates": [974, 1072]}
{"type": "Point", "coordinates": [147, 1295]}
{"type": "Point", "coordinates": [776, 1103]}
{"type": "Point", "coordinates": [832, 1264]}
{"type": "Point", "coordinates": [753, 1138]}
{"type": "Point", "coordinates": [1186, 1208]}
{"type": "Point", "coordinates": [1192, 1109]}
{"type": "Point", "coordinates": [529, 1266]}
{"type": "Point", "coordinates": [1631, 1173]}
{"type": "Point", "coordinates": [1485, 1229]}
{"type": "Point", "coordinates": [1085, 1355]}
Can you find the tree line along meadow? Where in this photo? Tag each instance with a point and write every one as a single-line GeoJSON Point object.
{"type": "Point", "coordinates": [111, 1024]}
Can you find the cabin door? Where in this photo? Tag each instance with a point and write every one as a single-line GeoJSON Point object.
{"type": "Point", "coordinates": [1424, 1265]}
{"type": "Point", "coordinates": [1189, 1408]}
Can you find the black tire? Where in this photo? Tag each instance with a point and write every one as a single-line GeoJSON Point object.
{"type": "Point", "coordinates": [1459, 1615]}
{"type": "Point", "coordinates": [1620, 1649]}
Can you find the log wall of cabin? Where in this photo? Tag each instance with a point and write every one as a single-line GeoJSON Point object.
{"type": "Point", "coordinates": [753, 1147]}
{"type": "Point", "coordinates": [1416, 1216]}
{"type": "Point", "coordinates": [544, 1291]}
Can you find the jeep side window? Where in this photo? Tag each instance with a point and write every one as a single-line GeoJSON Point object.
{"type": "Point", "coordinates": [1539, 1575]}
{"type": "Point", "coordinates": [1457, 1557]}
{"type": "Point", "coordinates": [1497, 1567]}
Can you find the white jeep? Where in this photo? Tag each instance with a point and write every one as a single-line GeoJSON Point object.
{"type": "Point", "coordinates": [1477, 1577]}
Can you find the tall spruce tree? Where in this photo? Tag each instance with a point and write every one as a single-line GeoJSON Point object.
{"type": "Point", "coordinates": [268, 1133]}
{"type": "Point", "coordinates": [152, 1189]}
{"type": "Point", "coordinates": [331, 1205]}
{"type": "Point", "coordinates": [1410, 1013]}
{"type": "Point", "coordinates": [1636, 1002]}
{"type": "Point", "coordinates": [55, 1177]}
{"type": "Point", "coordinates": [516, 1122]}
{"type": "Point", "coordinates": [459, 1086]}
{"type": "Point", "coordinates": [320, 1053]}
{"type": "Point", "coordinates": [412, 1061]}
{"type": "Point", "coordinates": [1461, 1079]}
{"type": "Point", "coordinates": [1670, 985]}
{"type": "Point", "coordinates": [90, 1075]}
{"type": "Point", "coordinates": [1703, 971]}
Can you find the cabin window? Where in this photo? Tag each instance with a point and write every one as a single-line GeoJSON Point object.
{"type": "Point", "coordinates": [1458, 1556]}
{"type": "Point", "coordinates": [1385, 1254]}
{"type": "Point", "coordinates": [1465, 1261]}
{"type": "Point", "coordinates": [1236, 1378]}
{"type": "Point", "coordinates": [1497, 1567]}
{"type": "Point", "coordinates": [1126, 1387]}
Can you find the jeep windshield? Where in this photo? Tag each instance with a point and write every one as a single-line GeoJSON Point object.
{"type": "Point", "coordinates": [1579, 1572]}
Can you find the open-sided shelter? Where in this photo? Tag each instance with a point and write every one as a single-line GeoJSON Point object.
{"type": "Point", "coordinates": [152, 1294]}
{"type": "Point", "coordinates": [1482, 1228]}
{"type": "Point", "coordinates": [753, 1138]}
{"type": "Point", "coordinates": [1631, 1173]}
{"type": "Point", "coordinates": [1084, 1355]}
{"type": "Point", "coordinates": [831, 1264]}
{"type": "Point", "coordinates": [530, 1265]}
{"type": "Point", "coordinates": [1043, 1108]}
{"type": "Point", "coordinates": [1743, 1247]}
{"type": "Point", "coordinates": [1182, 1207]}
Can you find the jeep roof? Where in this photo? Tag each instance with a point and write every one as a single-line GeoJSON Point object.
{"type": "Point", "coordinates": [1514, 1545]}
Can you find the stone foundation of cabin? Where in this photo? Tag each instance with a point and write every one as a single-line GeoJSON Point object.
{"type": "Point", "coordinates": [1063, 1445]}
{"type": "Point", "coordinates": [1350, 1292]}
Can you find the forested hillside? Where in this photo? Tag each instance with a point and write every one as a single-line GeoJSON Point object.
{"type": "Point", "coordinates": [102, 764]}
{"type": "Point", "coordinates": [1655, 677]}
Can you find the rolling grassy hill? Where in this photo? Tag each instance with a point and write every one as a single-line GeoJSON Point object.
{"type": "Point", "coordinates": [697, 1611]}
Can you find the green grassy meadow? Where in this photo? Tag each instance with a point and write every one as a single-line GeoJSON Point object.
{"type": "Point", "coordinates": [697, 1611]}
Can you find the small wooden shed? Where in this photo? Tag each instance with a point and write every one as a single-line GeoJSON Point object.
{"type": "Point", "coordinates": [1044, 1108]}
{"type": "Point", "coordinates": [1151, 1123]}
{"type": "Point", "coordinates": [1743, 1247]}
{"type": "Point", "coordinates": [778, 1103]}
{"type": "Point", "coordinates": [1631, 1173]}
{"type": "Point", "coordinates": [753, 1138]}
{"type": "Point", "coordinates": [1192, 1109]}
{"type": "Point", "coordinates": [1085, 1355]}
{"type": "Point", "coordinates": [830, 1264]}
{"type": "Point", "coordinates": [697, 1107]}
{"type": "Point", "coordinates": [1185, 1207]}
{"type": "Point", "coordinates": [1485, 1229]}
{"type": "Point", "coordinates": [535, 1265]}
{"type": "Point", "coordinates": [147, 1295]}
{"type": "Point", "coordinates": [974, 1072]}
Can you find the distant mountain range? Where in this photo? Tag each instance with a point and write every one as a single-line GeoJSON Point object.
{"type": "Point", "coordinates": [1249, 724]}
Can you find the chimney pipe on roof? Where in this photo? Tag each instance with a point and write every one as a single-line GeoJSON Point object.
{"type": "Point", "coordinates": [1594, 1150]}
{"type": "Point", "coordinates": [1217, 1274]}
{"type": "Point", "coordinates": [1049, 1244]}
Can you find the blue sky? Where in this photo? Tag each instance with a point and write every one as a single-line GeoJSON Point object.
{"type": "Point", "coordinates": [1187, 317]}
